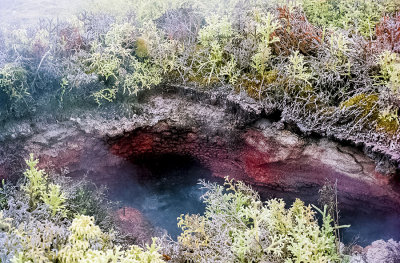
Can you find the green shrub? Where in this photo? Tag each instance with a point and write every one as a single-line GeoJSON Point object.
{"type": "Point", "coordinates": [38, 189]}
{"type": "Point", "coordinates": [238, 227]}
{"type": "Point", "coordinates": [362, 15]}
{"type": "Point", "coordinates": [13, 82]}
{"type": "Point", "coordinates": [390, 71]}
{"type": "Point", "coordinates": [297, 68]}
{"type": "Point", "coordinates": [213, 39]}
{"type": "Point", "coordinates": [87, 243]}
{"type": "Point", "coordinates": [266, 25]}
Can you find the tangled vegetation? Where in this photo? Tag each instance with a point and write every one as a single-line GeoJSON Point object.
{"type": "Point", "coordinates": [311, 60]}
{"type": "Point", "coordinates": [238, 227]}
{"type": "Point", "coordinates": [36, 225]}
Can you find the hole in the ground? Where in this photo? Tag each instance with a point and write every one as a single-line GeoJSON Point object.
{"type": "Point", "coordinates": [162, 187]}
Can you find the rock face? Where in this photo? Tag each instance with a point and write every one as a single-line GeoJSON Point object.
{"type": "Point", "coordinates": [264, 155]}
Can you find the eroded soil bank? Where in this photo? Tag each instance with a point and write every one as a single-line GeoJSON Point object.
{"type": "Point", "coordinates": [224, 138]}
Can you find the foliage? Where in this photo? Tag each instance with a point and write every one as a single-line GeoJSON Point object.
{"type": "Point", "coordinates": [389, 121]}
{"type": "Point", "coordinates": [213, 39]}
{"type": "Point", "coordinates": [87, 243]}
{"type": "Point", "coordinates": [144, 76]}
{"type": "Point", "coordinates": [297, 69]}
{"type": "Point", "coordinates": [38, 189]}
{"type": "Point", "coordinates": [296, 33]}
{"type": "Point", "coordinates": [390, 71]}
{"type": "Point", "coordinates": [39, 232]}
{"type": "Point", "coordinates": [360, 14]}
{"type": "Point", "coordinates": [238, 227]}
{"type": "Point", "coordinates": [3, 195]}
{"type": "Point", "coordinates": [13, 81]}
{"type": "Point", "coordinates": [265, 27]}
{"type": "Point", "coordinates": [36, 182]}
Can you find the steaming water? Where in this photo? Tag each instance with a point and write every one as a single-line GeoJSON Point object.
{"type": "Point", "coordinates": [164, 187]}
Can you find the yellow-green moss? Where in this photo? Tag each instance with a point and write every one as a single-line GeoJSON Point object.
{"type": "Point", "coordinates": [142, 48]}
{"type": "Point", "coordinates": [388, 122]}
{"type": "Point", "coordinates": [365, 103]}
{"type": "Point", "coordinates": [198, 78]}
{"type": "Point", "coordinates": [252, 84]}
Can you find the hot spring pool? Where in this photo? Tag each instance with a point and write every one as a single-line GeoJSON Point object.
{"type": "Point", "coordinates": [165, 186]}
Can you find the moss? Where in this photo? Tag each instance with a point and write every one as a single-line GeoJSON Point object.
{"type": "Point", "coordinates": [365, 103]}
{"type": "Point", "coordinates": [142, 48]}
{"type": "Point", "coordinates": [255, 86]}
{"type": "Point", "coordinates": [205, 81]}
{"type": "Point", "coordinates": [388, 122]}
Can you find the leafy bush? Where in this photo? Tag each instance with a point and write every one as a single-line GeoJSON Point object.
{"type": "Point", "coordinates": [212, 60]}
{"type": "Point", "coordinates": [362, 15]}
{"type": "Point", "coordinates": [266, 25]}
{"type": "Point", "coordinates": [13, 81]}
{"type": "Point", "coordinates": [238, 227]}
{"type": "Point", "coordinates": [296, 33]}
{"type": "Point", "coordinates": [390, 70]}
{"type": "Point", "coordinates": [388, 34]}
{"type": "Point", "coordinates": [35, 227]}
{"type": "Point", "coordinates": [38, 189]}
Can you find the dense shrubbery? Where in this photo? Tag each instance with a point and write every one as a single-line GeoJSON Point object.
{"type": "Point", "coordinates": [311, 60]}
{"type": "Point", "coordinates": [238, 227]}
{"type": "Point", "coordinates": [36, 225]}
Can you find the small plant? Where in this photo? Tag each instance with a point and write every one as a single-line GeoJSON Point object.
{"type": "Point", "coordinates": [13, 81]}
{"type": "Point", "coordinates": [388, 34]}
{"type": "Point", "coordinates": [297, 69]}
{"type": "Point", "coordinates": [388, 121]}
{"type": "Point", "coordinates": [87, 243]}
{"type": "Point", "coordinates": [39, 190]}
{"type": "Point", "coordinates": [144, 76]}
{"type": "Point", "coordinates": [107, 94]}
{"type": "Point", "coordinates": [390, 71]}
{"type": "Point", "coordinates": [55, 199]}
{"type": "Point", "coordinates": [213, 39]}
{"type": "Point", "coordinates": [266, 25]}
{"type": "Point", "coordinates": [36, 182]}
